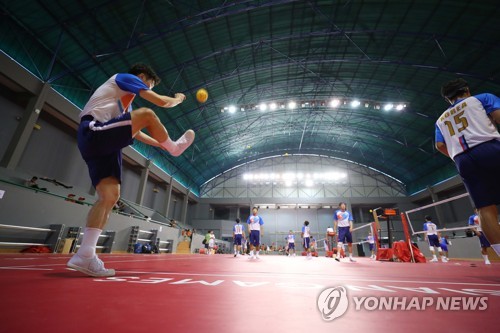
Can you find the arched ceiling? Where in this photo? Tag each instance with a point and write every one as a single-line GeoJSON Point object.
{"type": "Point", "coordinates": [248, 52]}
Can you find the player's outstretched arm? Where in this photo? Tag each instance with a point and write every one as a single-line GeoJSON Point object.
{"type": "Point", "coordinates": [161, 100]}
{"type": "Point", "coordinates": [495, 115]}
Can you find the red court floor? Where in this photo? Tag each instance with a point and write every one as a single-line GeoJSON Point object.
{"type": "Point", "coordinates": [220, 293]}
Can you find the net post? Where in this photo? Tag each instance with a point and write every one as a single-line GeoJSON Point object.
{"type": "Point", "coordinates": [406, 232]}
{"type": "Point", "coordinates": [375, 237]}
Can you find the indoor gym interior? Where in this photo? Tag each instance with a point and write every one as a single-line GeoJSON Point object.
{"type": "Point", "coordinates": [310, 103]}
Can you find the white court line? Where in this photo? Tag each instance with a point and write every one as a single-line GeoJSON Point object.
{"type": "Point", "coordinates": [29, 269]}
{"type": "Point", "coordinates": [107, 262]}
{"type": "Point", "coordinates": [300, 275]}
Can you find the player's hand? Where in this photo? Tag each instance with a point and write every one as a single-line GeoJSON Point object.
{"type": "Point", "coordinates": [180, 96]}
{"type": "Point", "coordinates": [350, 229]}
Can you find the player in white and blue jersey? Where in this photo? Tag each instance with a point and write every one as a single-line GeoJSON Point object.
{"type": "Point", "coordinates": [306, 238]}
{"type": "Point", "coordinates": [467, 132]}
{"type": "Point", "coordinates": [255, 231]}
{"type": "Point", "coordinates": [431, 236]}
{"type": "Point", "coordinates": [108, 124]}
{"type": "Point", "coordinates": [444, 242]}
{"type": "Point", "coordinates": [371, 244]}
{"type": "Point", "coordinates": [343, 224]}
{"type": "Point", "coordinates": [290, 239]}
{"type": "Point", "coordinates": [483, 242]}
{"type": "Point", "coordinates": [238, 235]}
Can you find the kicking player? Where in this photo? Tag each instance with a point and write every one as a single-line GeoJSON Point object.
{"type": "Point", "coordinates": [255, 231]}
{"type": "Point", "coordinates": [290, 238]}
{"type": "Point", "coordinates": [108, 124]}
{"type": "Point", "coordinates": [306, 240]}
{"type": "Point", "coordinates": [475, 221]}
{"type": "Point", "coordinates": [467, 133]}
{"type": "Point", "coordinates": [432, 237]}
{"type": "Point", "coordinates": [343, 224]}
{"type": "Point", "coordinates": [371, 244]}
{"type": "Point", "coordinates": [238, 235]}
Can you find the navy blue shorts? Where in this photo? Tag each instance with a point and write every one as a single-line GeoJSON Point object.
{"type": "Point", "coordinates": [237, 239]}
{"type": "Point", "coordinates": [433, 240]}
{"type": "Point", "coordinates": [484, 241]}
{"type": "Point", "coordinates": [444, 247]}
{"type": "Point", "coordinates": [291, 246]}
{"type": "Point", "coordinates": [478, 167]}
{"type": "Point", "coordinates": [255, 237]}
{"type": "Point", "coordinates": [101, 143]}
{"type": "Point", "coordinates": [306, 242]}
{"type": "Point", "coordinates": [371, 246]}
{"type": "Point", "coordinates": [345, 235]}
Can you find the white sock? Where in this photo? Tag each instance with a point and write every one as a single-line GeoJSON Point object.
{"type": "Point", "coordinates": [434, 256]}
{"type": "Point", "coordinates": [485, 256]}
{"type": "Point", "coordinates": [257, 253]}
{"type": "Point", "coordinates": [89, 242]}
{"type": "Point", "coordinates": [169, 145]}
{"type": "Point", "coordinates": [496, 248]}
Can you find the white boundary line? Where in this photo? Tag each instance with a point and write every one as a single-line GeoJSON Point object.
{"type": "Point", "coordinates": [301, 275]}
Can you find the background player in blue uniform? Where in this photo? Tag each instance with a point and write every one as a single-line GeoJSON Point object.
{"type": "Point", "coordinates": [290, 238]}
{"type": "Point", "coordinates": [343, 224]}
{"type": "Point", "coordinates": [108, 124]}
{"type": "Point", "coordinates": [371, 244]}
{"type": "Point", "coordinates": [255, 231]}
{"type": "Point", "coordinates": [238, 236]}
{"type": "Point", "coordinates": [431, 236]}
{"type": "Point", "coordinates": [444, 242]}
{"type": "Point", "coordinates": [467, 133]}
{"type": "Point", "coordinates": [306, 238]}
{"type": "Point", "coordinates": [475, 221]}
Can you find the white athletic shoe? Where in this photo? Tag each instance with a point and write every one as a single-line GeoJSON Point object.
{"type": "Point", "coordinates": [444, 259]}
{"type": "Point", "coordinates": [183, 143]}
{"type": "Point", "coordinates": [487, 262]}
{"type": "Point", "coordinates": [434, 260]}
{"type": "Point", "coordinates": [93, 267]}
{"type": "Point", "coordinates": [352, 259]}
{"type": "Point", "coordinates": [257, 257]}
{"type": "Point", "coordinates": [294, 255]}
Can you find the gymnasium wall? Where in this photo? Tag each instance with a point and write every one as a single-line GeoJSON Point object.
{"type": "Point", "coordinates": [26, 207]}
{"type": "Point", "coordinates": [52, 152]}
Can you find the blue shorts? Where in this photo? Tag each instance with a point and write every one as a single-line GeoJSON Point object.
{"type": "Point", "coordinates": [306, 242]}
{"type": "Point", "coordinates": [484, 241]}
{"type": "Point", "coordinates": [255, 237]}
{"type": "Point", "coordinates": [345, 235]}
{"type": "Point", "coordinates": [444, 247]}
{"type": "Point", "coordinates": [101, 143]}
{"type": "Point", "coordinates": [433, 240]}
{"type": "Point", "coordinates": [237, 239]}
{"type": "Point", "coordinates": [371, 246]}
{"type": "Point", "coordinates": [291, 246]}
{"type": "Point", "coordinates": [478, 167]}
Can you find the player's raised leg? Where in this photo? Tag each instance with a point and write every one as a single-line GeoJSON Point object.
{"type": "Point", "coordinates": [145, 118]}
